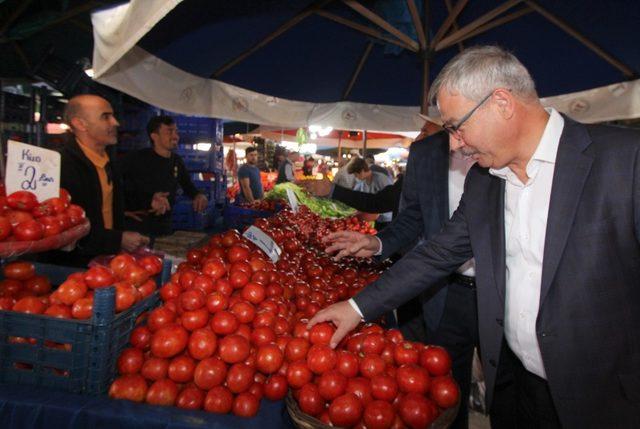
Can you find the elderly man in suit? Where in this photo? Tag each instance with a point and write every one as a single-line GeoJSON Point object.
{"type": "Point", "coordinates": [551, 214]}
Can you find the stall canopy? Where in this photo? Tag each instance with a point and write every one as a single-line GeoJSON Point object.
{"type": "Point", "coordinates": [338, 138]}
{"type": "Point", "coordinates": [359, 64]}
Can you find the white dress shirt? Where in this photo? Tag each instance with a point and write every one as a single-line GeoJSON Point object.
{"type": "Point", "coordinates": [526, 206]}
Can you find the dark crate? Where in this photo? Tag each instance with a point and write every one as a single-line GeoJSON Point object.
{"type": "Point", "coordinates": [78, 356]}
{"type": "Point", "coordinates": [184, 218]}
{"type": "Point", "coordinates": [236, 217]}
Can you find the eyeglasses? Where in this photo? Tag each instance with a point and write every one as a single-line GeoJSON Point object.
{"type": "Point", "coordinates": [454, 129]}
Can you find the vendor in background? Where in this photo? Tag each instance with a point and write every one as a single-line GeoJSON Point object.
{"type": "Point", "coordinates": [307, 166]}
{"type": "Point", "coordinates": [371, 162]}
{"type": "Point", "coordinates": [90, 173]}
{"type": "Point", "coordinates": [370, 182]}
{"type": "Point", "coordinates": [342, 177]}
{"type": "Point", "coordinates": [249, 177]}
{"type": "Point", "coordinates": [285, 170]}
{"type": "Point", "coordinates": [152, 177]}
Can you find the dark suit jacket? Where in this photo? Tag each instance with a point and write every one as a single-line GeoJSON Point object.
{"type": "Point", "coordinates": [588, 324]}
{"type": "Point", "coordinates": [424, 208]}
{"type": "Point", "coordinates": [79, 176]}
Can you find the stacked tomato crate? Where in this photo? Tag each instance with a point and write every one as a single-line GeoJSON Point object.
{"type": "Point", "coordinates": [233, 330]}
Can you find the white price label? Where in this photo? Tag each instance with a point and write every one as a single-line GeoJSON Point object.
{"type": "Point", "coordinates": [34, 169]}
{"type": "Point", "coordinates": [264, 242]}
{"type": "Point", "coordinates": [293, 200]}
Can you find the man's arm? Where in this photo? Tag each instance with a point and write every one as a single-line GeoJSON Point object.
{"type": "Point", "coordinates": [383, 201]}
{"type": "Point", "coordinates": [245, 185]}
{"type": "Point", "coordinates": [185, 181]}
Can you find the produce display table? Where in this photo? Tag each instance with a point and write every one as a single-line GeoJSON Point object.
{"type": "Point", "coordinates": [36, 407]}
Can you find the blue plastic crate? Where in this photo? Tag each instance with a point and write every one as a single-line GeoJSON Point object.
{"type": "Point", "coordinates": [236, 217]}
{"type": "Point", "coordinates": [184, 218]}
{"type": "Point", "coordinates": [195, 160]}
{"type": "Point", "coordinates": [88, 364]}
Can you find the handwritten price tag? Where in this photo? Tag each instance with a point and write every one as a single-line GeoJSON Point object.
{"type": "Point", "coordinates": [264, 242]}
{"type": "Point", "coordinates": [293, 200]}
{"type": "Point", "coordinates": [34, 169]}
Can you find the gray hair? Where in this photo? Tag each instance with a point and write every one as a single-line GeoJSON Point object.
{"type": "Point", "coordinates": [476, 71]}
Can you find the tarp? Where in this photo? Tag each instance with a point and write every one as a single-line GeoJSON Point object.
{"type": "Point", "coordinates": [160, 52]}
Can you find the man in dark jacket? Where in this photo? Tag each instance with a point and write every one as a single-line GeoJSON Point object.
{"type": "Point", "coordinates": [92, 178]}
{"type": "Point", "coordinates": [152, 177]}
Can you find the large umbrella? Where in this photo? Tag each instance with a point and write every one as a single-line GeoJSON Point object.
{"type": "Point", "coordinates": [339, 138]}
{"type": "Point", "coordinates": [359, 64]}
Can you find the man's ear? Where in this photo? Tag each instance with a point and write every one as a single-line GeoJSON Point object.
{"type": "Point", "coordinates": [505, 102]}
{"type": "Point", "coordinates": [77, 123]}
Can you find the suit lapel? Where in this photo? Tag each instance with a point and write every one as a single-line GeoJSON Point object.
{"type": "Point", "coordinates": [571, 171]}
{"type": "Point", "coordinates": [441, 179]}
{"type": "Point", "coordinates": [495, 211]}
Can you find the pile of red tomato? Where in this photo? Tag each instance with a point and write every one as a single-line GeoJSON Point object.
{"type": "Point", "coordinates": [22, 290]}
{"type": "Point", "coordinates": [263, 205]}
{"type": "Point", "coordinates": [23, 218]}
{"type": "Point", "coordinates": [233, 330]}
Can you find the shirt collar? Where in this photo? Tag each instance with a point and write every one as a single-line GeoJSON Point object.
{"type": "Point", "coordinates": [547, 148]}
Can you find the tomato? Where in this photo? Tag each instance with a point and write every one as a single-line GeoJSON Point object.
{"type": "Point", "coordinates": [162, 392]}
{"type": "Point", "coordinates": [140, 337]}
{"type": "Point", "coordinates": [126, 295]}
{"type": "Point", "coordinates": [192, 299]}
{"type": "Point", "coordinates": [238, 252]}
{"type": "Point", "coordinates": [19, 270]}
{"type": "Point", "coordinates": [276, 387]}
{"type": "Point", "coordinates": [269, 359]}
{"type": "Point", "coordinates": [417, 411]}
{"type": "Point", "coordinates": [444, 391]}
{"type": "Point", "coordinates": [131, 387]}
{"type": "Point", "coordinates": [379, 415]}
{"type": "Point", "coordinates": [82, 308]}
{"type": "Point", "coordinates": [196, 319]}
{"type": "Point", "coordinates": [332, 384]}
{"type": "Point", "coordinates": [98, 276]}
{"type": "Point", "coordinates": [76, 214]}
{"type": "Point", "coordinates": [214, 268]}
{"type": "Point", "coordinates": [135, 274]}
{"type": "Point", "coordinates": [224, 287]}
{"type": "Point", "coordinates": [10, 287]}
{"type": "Point", "coordinates": [39, 285]}
{"type": "Point", "coordinates": [347, 363]}
{"type": "Point", "coordinates": [29, 305]}
{"type": "Point", "coordinates": [168, 341]}
{"type": "Point", "coordinates": [238, 279]}
{"type": "Point", "coordinates": [130, 361]}
{"type": "Point", "coordinates": [413, 379]}
{"type": "Point", "coordinates": [65, 196]}
{"type": "Point", "coordinates": [310, 400]}
{"type": "Point", "coordinates": [298, 374]}
{"type": "Point", "coordinates": [151, 263]}
{"type": "Point", "coordinates": [216, 302]}
{"type": "Point", "coordinates": [5, 227]}
{"type": "Point", "coordinates": [233, 348]}
{"type": "Point", "coordinates": [373, 343]}
{"type": "Point", "coordinates": [372, 365]}
{"type": "Point", "coordinates": [209, 373]}
{"type": "Point", "coordinates": [384, 387]}
{"type": "Point", "coordinates": [64, 220]}
{"type": "Point", "coordinates": [194, 256]}
{"type": "Point", "coordinates": [16, 216]}
{"type": "Point", "coordinates": [254, 293]}
{"type": "Point", "coordinates": [321, 333]}
{"type": "Point", "coordinates": [190, 398]}
{"type": "Point", "coordinates": [121, 263]}
{"type": "Point", "coordinates": [147, 288]}
{"type": "Point", "coordinates": [230, 237]}
{"type": "Point", "coordinates": [181, 369]}
{"type": "Point", "coordinates": [218, 400]}
{"type": "Point", "coordinates": [202, 343]}
{"type": "Point", "coordinates": [204, 284]}
{"type": "Point", "coordinates": [244, 311]}
{"type": "Point", "coordinates": [22, 200]}
{"type": "Point", "coordinates": [246, 405]}
{"type": "Point", "coordinates": [361, 387]}
{"type": "Point", "coordinates": [70, 291]}
{"type": "Point", "coordinates": [239, 377]}
{"type": "Point", "coordinates": [345, 410]}
{"type": "Point", "coordinates": [60, 311]}
{"type": "Point", "coordinates": [55, 205]}
{"type": "Point", "coordinates": [51, 226]}
{"type": "Point", "coordinates": [159, 318]}
{"type": "Point", "coordinates": [321, 358]}
{"type": "Point", "coordinates": [170, 291]}
{"type": "Point", "coordinates": [30, 230]}
{"type": "Point", "coordinates": [224, 323]}
{"type": "Point", "coordinates": [155, 368]}
{"type": "Point", "coordinates": [262, 336]}
{"type": "Point", "coordinates": [436, 360]}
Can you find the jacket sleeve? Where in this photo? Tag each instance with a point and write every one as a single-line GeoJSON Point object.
{"type": "Point", "coordinates": [408, 224]}
{"type": "Point", "coordinates": [185, 181]}
{"type": "Point", "coordinates": [422, 268]}
{"type": "Point", "coordinates": [137, 196]}
{"type": "Point", "coordinates": [383, 201]}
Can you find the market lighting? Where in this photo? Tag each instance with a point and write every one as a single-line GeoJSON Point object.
{"type": "Point", "coordinates": [89, 72]}
{"type": "Point", "coordinates": [203, 146]}
{"type": "Point", "coordinates": [319, 130]}
{"type": "Point", "coordinates": [308, 148]}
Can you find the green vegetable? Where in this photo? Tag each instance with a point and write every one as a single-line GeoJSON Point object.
{"type": "Point", "coordinates": [320, 206]}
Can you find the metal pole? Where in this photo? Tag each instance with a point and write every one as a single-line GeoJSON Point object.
{"type": "Point", "coordinates": [364, 143]}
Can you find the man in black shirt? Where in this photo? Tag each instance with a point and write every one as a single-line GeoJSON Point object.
{"type": "Point", "coordinates": [152, 177]}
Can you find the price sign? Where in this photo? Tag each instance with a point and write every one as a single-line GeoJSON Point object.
{"type": "Point", "coordinates": [33, 169]}
{"type": "Point", "coordinates": [264, 242]}
{"type": "Point", "coordinates": [293, 200]}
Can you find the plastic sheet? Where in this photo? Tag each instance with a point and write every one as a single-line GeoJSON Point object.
{"type": "Point", "coordinates": [71, 235]}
